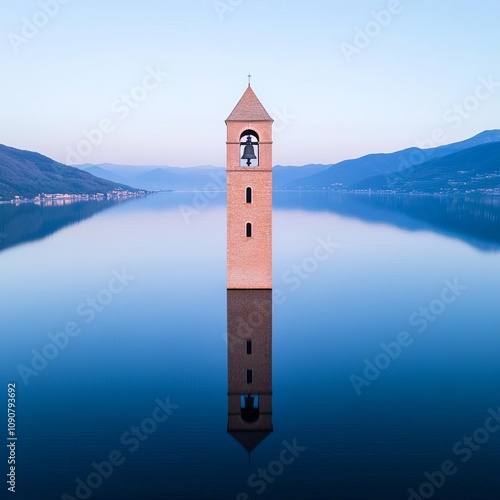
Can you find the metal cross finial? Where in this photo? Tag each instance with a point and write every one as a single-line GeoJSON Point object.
{"type": "Point", "coordinates": [249, 79]}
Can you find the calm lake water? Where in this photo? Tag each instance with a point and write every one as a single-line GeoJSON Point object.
{"type": "Point", "coordinates": [385, 350]}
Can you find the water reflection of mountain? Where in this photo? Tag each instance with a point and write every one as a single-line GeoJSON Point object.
{"type": "Point", "coordinates": [473, 219]}
{"type": "Point", "coordinates": [29, 222]}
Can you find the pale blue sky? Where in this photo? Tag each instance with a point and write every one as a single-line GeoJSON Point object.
{"type": "Point", "coordinates": [396, 91]}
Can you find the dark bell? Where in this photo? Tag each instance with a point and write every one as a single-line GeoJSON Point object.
{"type": "Point", "coordinates": [249, 152]}
{"type": "Point", "coordinates": [250, 412]}
{"type": "Point", "coordinates": [249, 403]}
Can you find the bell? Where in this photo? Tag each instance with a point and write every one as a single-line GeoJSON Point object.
{"type": "Point", "coordinates": [249, 403]}
{"type": "Point", "coordinates": [249, 152]}
{"type": "Point", "coordinates": [250, 412]}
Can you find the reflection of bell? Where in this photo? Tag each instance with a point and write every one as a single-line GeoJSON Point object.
{"type": "Point", "coordinates": [249, 152]}
{"type": "Point", "coordinates": [249, 402]}
{"type": "Point", "coordinates": [250, 412]}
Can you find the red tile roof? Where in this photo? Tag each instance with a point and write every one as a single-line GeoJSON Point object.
{"type": "Point", "coordinates": [249, 109]}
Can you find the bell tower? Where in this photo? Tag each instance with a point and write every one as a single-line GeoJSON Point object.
{"type": "Point", "coordinates": [249, 195]}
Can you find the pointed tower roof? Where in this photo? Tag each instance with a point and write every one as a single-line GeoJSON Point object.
{"type": "Point", "coordinates": [250, 439]}
{"type": "Point", "coordinates": [249, 109]}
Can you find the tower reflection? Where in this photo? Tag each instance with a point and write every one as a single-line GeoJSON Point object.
{"type": "Point", "coordinates": [249, 339]}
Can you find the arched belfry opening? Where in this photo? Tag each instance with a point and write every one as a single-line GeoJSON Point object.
{"type": "Point", "coordinates": [249, 143]}
{"type": "Point", "coordinates": [250, 408]}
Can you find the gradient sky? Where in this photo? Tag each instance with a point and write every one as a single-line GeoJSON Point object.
{"type": "Point", "coordinates": [71, 74]}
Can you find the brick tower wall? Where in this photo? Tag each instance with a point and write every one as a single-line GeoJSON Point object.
{"type": "Point", "coordinates": [249, 260]}
{"type": "Point", "coordinates": [249, 317]}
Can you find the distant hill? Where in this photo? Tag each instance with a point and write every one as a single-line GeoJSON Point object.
{"type": "Point", "coordinates": [126, 172]}
{"type": "Point", "coordinates": [105, 174]}
{"type": "Point", "coordinates": [160, 177]}
{"type": "Point", "coordinates": [285, 175]}
{"type": "Point", "coordinates": [27, 174]}
{"type": "Point", "coordinates": [343, 175]}
{"type": "Point", "coordinates": [181, 179]}
{"type": "Point", "coordinates": [192, 178]}
{"type": "Point", "coordinates": [472, 170]}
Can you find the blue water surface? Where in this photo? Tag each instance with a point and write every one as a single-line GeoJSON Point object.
{"type": "Point", "coordinates": [422, 269]}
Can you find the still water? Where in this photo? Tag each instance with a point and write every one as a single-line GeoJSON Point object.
{"type": "Point", "coordinates": [376, 360]}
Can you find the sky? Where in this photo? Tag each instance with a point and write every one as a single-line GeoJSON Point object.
{"type": "Point", "coordinates": [152, 82]}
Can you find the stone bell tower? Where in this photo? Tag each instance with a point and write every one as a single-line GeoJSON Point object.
{"type": "Point", "coordinates": [249, 195]}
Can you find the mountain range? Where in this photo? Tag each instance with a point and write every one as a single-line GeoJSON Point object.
{"type": "Point", "coordinates": [399, 168]}
{"type": "Point", "coordinates": [409, 170]}
{"type": "Point", "coordinates": [470, 166]}
{"type": "Point", "coordinates": [188, 179]}
{"type": "Point", "coordinates": [471, 170]}
{"type": "Point", "coordinates": [159, 178]}
{"type": "Point", "coordinates": [27, 174]}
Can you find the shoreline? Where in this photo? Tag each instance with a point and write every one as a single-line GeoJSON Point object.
{"type": "Point", "coordinates": [59, 199]}
{"type": "Point", "coordinates": [67, 199]}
